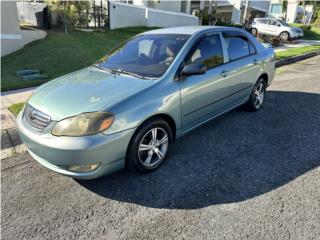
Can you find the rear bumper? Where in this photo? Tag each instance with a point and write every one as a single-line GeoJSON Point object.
{"type": "Point", "coordinates": [59, 153]}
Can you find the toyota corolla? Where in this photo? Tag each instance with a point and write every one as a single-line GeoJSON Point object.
{"type": "Point", "coordinates": [128, 108]}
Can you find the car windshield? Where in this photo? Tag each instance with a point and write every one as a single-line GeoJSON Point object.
{"type": "Point", "coordinates": [145, 56]}
{"type": "Point", "coordinates": [284, 23]}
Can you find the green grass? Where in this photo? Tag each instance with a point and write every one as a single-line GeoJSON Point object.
{"type": "Point", "coordinates": [16, 108]}
{"type": "Point", "coordinates": [296, 51]}
{"type": "Point", "coordinates": [61, 53]}
{"type": "Point", "coordinates": [312, 34]}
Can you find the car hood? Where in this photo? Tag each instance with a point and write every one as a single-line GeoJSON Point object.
{"type": "Point", "coordinates": [87, 90]}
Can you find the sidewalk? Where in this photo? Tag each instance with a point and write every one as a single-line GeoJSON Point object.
{"type": "Point", "coordinates": [298, 43]}
{"type": "Point", "coordinates": [10, 141]}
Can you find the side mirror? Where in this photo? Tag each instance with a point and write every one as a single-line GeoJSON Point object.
{"type": "Point", "coordinates": [193, 69]}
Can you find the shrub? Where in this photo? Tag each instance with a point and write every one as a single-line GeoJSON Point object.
{"type": "Point", "coordinates": [228, 24]}
{"type": "Point", "coordinates": [306, 27]}
{"type": "Point", "coordinates": [274, 41]}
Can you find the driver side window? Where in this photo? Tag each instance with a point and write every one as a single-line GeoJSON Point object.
{"type": "Point", "coordinates": [207, 51]}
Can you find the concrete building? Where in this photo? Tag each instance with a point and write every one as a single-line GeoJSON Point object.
{"type": "Point", "coordinates": [294, 12]}
{"type": "Point", "coordinates": [12, 37]}
{"type": "Point", "coordinates": [10, 30]}
{"type": "Point", "coordinates": [227, 10]}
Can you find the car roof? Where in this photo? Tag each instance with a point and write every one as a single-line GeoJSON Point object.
{"type": "Point", "coordinates": [190, 30]}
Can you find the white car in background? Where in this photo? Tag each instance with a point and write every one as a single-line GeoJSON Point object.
{"type": "Point", "coordinates": [275, 27]}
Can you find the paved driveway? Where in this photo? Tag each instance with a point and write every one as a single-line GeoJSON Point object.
{"type": "Point", "coordinates": [242, 176]}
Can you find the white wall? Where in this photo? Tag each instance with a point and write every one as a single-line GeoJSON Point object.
{"type": "Point", "coordinates": [31, 12]}
{"type": "Point", "coordinates": [236, 12]}
{"type": "Point", "coordinates": [165, 5]}
{"type": "Point", "coordinates": [12, 38]}
{"type": "Point", "coordinates": [126, 15]}
{"type": "Point", "coordinates": [10, 29]}
{"type": "Point", "coordinates": [292, 9]}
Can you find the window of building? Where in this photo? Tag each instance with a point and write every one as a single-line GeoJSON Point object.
{"type": "Point", "coordinates": [276, 8]}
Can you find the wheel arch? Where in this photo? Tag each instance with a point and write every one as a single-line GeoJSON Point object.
{"type": "Point", "coordinates": [165, 117]}
{"type": "Point", "coordinates": [265, 77]}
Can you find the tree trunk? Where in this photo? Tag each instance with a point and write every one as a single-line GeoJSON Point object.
{"type": "Point", "coordinates": [65, 18]}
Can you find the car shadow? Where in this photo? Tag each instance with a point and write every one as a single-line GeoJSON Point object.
{"type": "Point", "coordinates": [236, 157]}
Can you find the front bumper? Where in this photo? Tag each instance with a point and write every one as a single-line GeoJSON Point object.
{"type": "Point", "coordinates": [295, 35]}
{"type": "Point", "coordinates": [57, 153]}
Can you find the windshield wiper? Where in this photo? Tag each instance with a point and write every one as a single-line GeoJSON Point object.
{"type": "Point", "coordinates": [102, 68]}
{"type": "Point", "coordinates": [121, 71]}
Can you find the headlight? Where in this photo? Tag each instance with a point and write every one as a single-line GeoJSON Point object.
{"type": "Point", "coordinates": [84, 124]}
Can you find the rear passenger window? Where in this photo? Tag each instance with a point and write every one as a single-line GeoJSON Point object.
{"type": "Point", "coordinates": [238, 47]}
{"type": "Point", "coordinates": [207, 51]}
{"type": "Point", "coordinates": [263, 21]}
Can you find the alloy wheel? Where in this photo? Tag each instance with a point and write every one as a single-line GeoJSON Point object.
{"type": "Point", "coordinates": [284, 36]}
{"type": "Point", "coordinates": [153, 147]}
{"type": "Point", "coordinates": [254, 32]}
{"type": "Point", "coordinates": [259, 95]}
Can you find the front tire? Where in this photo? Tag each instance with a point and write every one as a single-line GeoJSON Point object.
{"type": "Point", "coordinates": [149, 146]}
{"type": "Point", "coordinates": [257, 95]}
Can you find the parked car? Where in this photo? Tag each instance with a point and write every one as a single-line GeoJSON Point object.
{"type": "Point", "coordinates": [275, 27]}
{"type": "Point", "coordinates": [127, 109]}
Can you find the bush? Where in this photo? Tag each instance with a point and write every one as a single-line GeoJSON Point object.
{"type": "Point", "coordinates": [274, 41]}
{"type": "Point", "coordinates": [306, 27]}
{"type": "Point", "coordinates": [228, 24]}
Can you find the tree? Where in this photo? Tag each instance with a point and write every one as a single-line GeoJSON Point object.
{"type": "Point", "coordinates": [72, 12]}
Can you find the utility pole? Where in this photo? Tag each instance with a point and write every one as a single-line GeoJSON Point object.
{"type": "Point", "coordinates": [210, 12]}
{"type": "Point", "coordinates": [245, 12]}
{"type": "Point", "coordinates": [304, 12]}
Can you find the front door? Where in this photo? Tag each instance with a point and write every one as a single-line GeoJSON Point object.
{"type": "Point", "coordinates": [203, 95]}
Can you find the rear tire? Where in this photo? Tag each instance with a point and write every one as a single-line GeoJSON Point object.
{"type": "Point", "coordinates": [284, 36]}
{"type": "Point", "coordinates": [257, 96]}
{"type": "Point", "coordinates": [254, 31]}
{"type": "Point", "coordinates": [149, 146]}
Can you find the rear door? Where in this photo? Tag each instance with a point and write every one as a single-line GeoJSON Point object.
{"type": "Point", "coordinates": [262, 25]}
{"type": "Point", "coordinates": [242, 66]}
{"type": "Point", "coordinates": [273, 27]}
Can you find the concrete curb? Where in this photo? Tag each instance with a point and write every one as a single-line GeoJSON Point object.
{"type": "Point", "coordinates": [294, 59]}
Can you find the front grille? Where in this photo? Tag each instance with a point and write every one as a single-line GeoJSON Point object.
{"type": "Point", "coordinates": [35, 118]}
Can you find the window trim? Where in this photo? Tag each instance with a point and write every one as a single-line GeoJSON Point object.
{"type": "Point", "coordinates": [271, 19]}
{"type": "Point", "coordinates": [241, 35]}
{"type": "Point", "coordinates": [197, 42]}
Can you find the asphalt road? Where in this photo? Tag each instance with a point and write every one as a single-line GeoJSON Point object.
{"type": "Point", "coordinates": [242, 176]}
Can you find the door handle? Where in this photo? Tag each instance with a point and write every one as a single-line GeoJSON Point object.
{"type": "Point", "coordinates": [224, 73]}
{"type": "Point", "coordinates": [255, 62]}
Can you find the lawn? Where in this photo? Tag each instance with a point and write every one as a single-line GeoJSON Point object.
{"type": "Point", "coordinates": [296, 51]}
{"type": "Point", "coordinates": [60, 53]}
{"type": "Point", "coordinates": [312, 34]}
{"type": "Point", "coordinates": [16, 108]}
